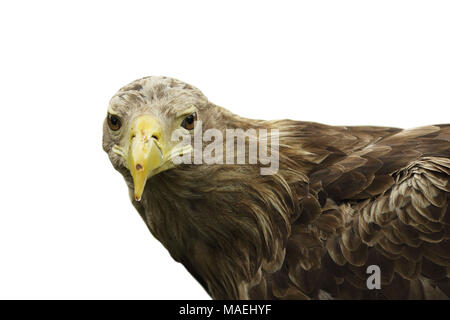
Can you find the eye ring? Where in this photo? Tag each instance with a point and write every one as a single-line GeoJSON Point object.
{"type": "Point", "coordinates": [189, 122]}
{"type": "Point", "coordinates": [114, 122]}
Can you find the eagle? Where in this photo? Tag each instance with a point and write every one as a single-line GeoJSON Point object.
{"type": "Point", "coordinates": [350, 212]}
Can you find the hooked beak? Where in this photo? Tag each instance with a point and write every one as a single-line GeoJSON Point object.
{"type": "Point", "coordinates": [145, 155]}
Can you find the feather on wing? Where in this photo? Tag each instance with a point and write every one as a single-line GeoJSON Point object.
{"type": "Point", "coordinates": [386, 203]}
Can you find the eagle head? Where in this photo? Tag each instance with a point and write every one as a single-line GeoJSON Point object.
{"type": "Point", "coordinates": [142, 120]}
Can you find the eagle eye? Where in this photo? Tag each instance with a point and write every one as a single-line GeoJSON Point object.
{"type": "Point", "coordinates": [189, 122]}
{"type": "Point", "coordinates": [114, 122]}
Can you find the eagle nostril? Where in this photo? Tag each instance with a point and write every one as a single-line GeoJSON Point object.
{"type": "Point", "coordinates": [155, 137]}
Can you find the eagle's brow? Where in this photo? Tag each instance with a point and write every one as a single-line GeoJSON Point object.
{"type": "Point", "coordinates": [112, 111]}
{"type": "Point", "coordinates": [185, 112]}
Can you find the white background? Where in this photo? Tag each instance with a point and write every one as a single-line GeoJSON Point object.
{"type": "Point", "coordinates": [67, 229]}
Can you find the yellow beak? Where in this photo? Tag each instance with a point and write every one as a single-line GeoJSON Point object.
{"type": "Point", "coordinates": [145, 154]}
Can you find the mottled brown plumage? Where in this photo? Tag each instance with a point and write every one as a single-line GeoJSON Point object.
{"type": "Point", "coordinates": [343, 198]}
